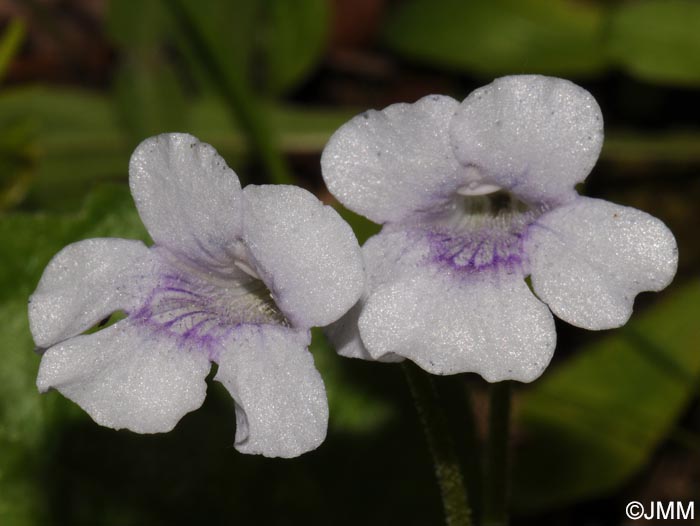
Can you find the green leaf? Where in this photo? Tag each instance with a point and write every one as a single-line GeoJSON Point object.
{"type": "Point", "coordinates": [149, 97]}
{"type": "Point", "coordinates": [56, 144]}
{"type": "Point", "coordinates": [10, 43]}
{"type": "Point", "coordinates": [135, 25]}
{"type": "Point", "coordinates": [65, 140]}
{"type": "Point", "coordinates": [29, 241]}
{"type": "Point", "coordinates": [593, 422]}
{"type": "Point", "coordinates": [300, 130]}
{"type": "Point", "coordinates": [561, 37]}
{"type": "Point", "coordinates": [208, 44]}
{"type": "Point", "coordinates": [658, 40]}
{"type": "Point", "coordinates": [270, 46]}
{"type": "Point", "coordinates": [295, 36]}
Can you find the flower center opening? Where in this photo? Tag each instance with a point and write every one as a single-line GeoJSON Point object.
{"type": "Point", "coordinates": [477, 233]}
{"type": "Point", "coordinates": [197, 305]}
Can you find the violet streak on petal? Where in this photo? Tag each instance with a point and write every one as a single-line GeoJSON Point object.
{"type": "Point", "coordinates": [464, 226]}
{"type": "Point", "coordinates": [235, 277]}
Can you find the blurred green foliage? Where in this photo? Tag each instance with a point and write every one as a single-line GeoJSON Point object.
{"type": "Point", "coordinates": [58, 143]}
{"type": "Point", "coordinates": [657, 40]}
{"type": "Point", "coordinates": [231, 74]}
{"type": "Point", "coordinates": [10, 43]}
{"type": "Point", "coordinates": [594, 422]}
{"type": "Point", "coordinates": [488, 38]}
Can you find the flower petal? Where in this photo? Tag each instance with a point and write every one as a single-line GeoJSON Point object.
{"type": "Point", "coordinates": [388, 255]}
{"type": "Point", "coordinates": [387, 164]}
{"type": "Point", "coordinates": [281, 406]}
{"type": "Point", "coordinates": [488, 323]}
{"type": "Point", "coordinates": [590, 258]}
{"type": "Point", "coordinates": [188, 198]}
{"type": "Point", "coordinates": [127, 377]}
{"type": "Point", "coordinates": [304, 252]}
{"type": "Point", "coordinates": [535, 136]}
{"type": "Point", "coordinates": [86, 282]}
{"type": "Point", "coordinates": [344, 335]}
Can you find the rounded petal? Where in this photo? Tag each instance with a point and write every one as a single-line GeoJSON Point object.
{"type": "Point", "coordinates": [387, 164]}
{"type": "Point", "coordinates": [188, 198]}
{"type": "Point", "coordinates": [535, 136]}
{"type": "Point", "coordinates": [86, 282]}
{"type": "Point", "coordinates": [590, 258]}
{"type": "Point", "coordinates": [387, 256]}
{"type": "Point", "coordinates": [281, 405]}
{"type": "Point", "coordinates": [304, 252]}
{"type": "Point", "coordinates": [490, 324]}
{"type": "Point", "coordinates": [125, 376]}
{"type": "Point", "coordinates": [344, 336]}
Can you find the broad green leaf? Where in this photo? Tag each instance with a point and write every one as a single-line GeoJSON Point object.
{"type": "Point", "coordinates": [294, 37]}
{"type": "Point", "coordinates": [271, 45]}
{"type": "Point", "coordinates": [229, 33]}
{"type": "Point", "coordinates": [561, 37]}
{"type": "Point", "coordinates": [302, 130]}
{"type": "Point", "coordinates": [210, 44]}
{"type": "Point", "coordinates": [594, 421]}
{"type": "Point", "coordinates": [55, 144]}
{"type": "Point", "coordinates": [135, 25]}
{"type": "Point", "coordinates": [149, 97]}
{"type": "Point", "coordinates": [658, 40]}
{"type": "Point", "coordinates": [16, 154]}
{"type": "Point", "coordinates": [237, 48]}
{"type": "Point", "coordinates": [70, 139]}
{"type": "Point", "coordinates": [29, 241]}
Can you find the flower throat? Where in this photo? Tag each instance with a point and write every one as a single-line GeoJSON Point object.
{"type": "Point", "coordinates": [481, 233]}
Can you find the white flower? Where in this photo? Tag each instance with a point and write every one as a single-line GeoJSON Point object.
{"type": "Point", "coordinates": [236, 277]}
{"type": "Point", "coordinates": [446, 275]}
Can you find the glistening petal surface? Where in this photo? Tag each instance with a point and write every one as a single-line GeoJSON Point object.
{"type": "Point", "coordinates": [126, 376]}
{"type": "Point", "coordinates": [386, 164]}
{"type": "Point", "coordinates": [281, 407]}
{"type": "Point", "coordinates": [86, 282]}
{"type": "Point", "coordinates": [535, 136]}
{"type": "Point", "coordinates": [447, 324]}
{"type": "Point", "coordinates": [387, 256]}
{"type": "Point", "coordinates": [304, 252]}
{"type": "Point", "coordinates": [590, 258]}
{"type": "Point", "coordinates": [188, 198]}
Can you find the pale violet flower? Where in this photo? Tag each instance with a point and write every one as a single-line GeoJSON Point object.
{"type": "Point", "coordinates": [236, 277]}
{"type": "Point", "coordinates": [474, 198]}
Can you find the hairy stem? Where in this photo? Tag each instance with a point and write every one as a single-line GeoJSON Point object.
{"type": "Point", "coordinates": [497, 473]}
{"type": "Point", "coordinates": [441, 445]}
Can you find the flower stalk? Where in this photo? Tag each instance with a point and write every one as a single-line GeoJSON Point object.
{"type": "Point", "coordinates": [497, 471]}
{"type": "Point", "coordinates": [441, 444]}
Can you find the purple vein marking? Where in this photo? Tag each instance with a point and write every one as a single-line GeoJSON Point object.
{"type": "Point", "coordinates": [183, 316]}
{"type": "Point", "coordinates": [184, 291]}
